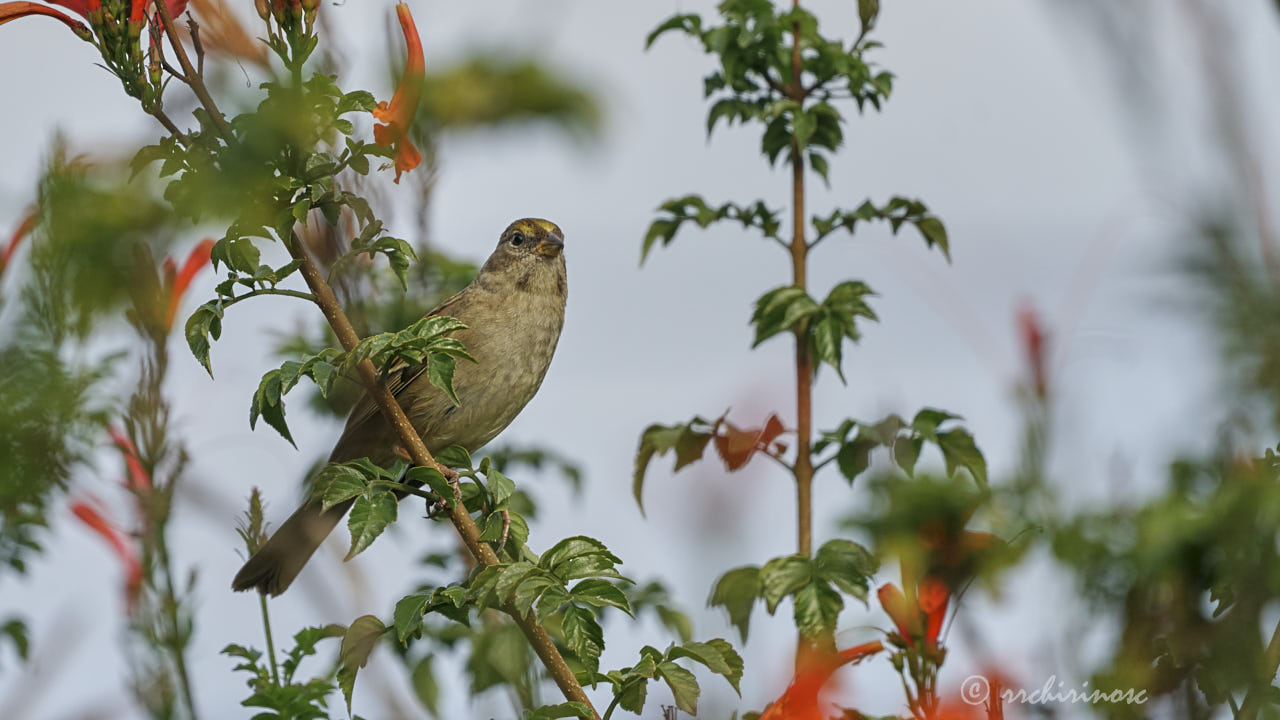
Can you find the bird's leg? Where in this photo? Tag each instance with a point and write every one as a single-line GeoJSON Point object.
{"type": "Point", "coordinates": [506, 528]}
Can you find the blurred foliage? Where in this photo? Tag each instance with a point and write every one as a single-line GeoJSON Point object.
{"type": "Point", "coordinates": [486, 91]}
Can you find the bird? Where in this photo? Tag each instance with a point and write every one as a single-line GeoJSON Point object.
{"type": "Point", "coordinates": [514, 312]}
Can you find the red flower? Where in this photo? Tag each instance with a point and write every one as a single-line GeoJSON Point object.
{"type": "Point", "coordinates": [137, 12]}
{"type": "Point", "coordinates": [398, 115]}
{"type": "Point", "coordinates": [14, 10]}
{"type": "Point", "coordinates": [1033, 336]}
{"type": "Point", "coordinates": [800, 701]}
{"type": "Point", "coordinates": [24, 229]}
{"type": "Point", "coordinates": [138, 479]}
{"type": "Point", "coordinates": [120, 544]}
{"type": "Point", "coordinates": [904, 613]}
{"type": "Point", "coordinates": [933, 595]}
{"type": "Point", "coordinates": [177, 281]}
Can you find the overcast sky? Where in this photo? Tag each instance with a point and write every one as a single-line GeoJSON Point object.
{"type": "Point", "coordinates": [1010, 118]}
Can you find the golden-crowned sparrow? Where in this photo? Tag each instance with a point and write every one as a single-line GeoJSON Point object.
{"type": "Point", "coordinates": [513, 309]}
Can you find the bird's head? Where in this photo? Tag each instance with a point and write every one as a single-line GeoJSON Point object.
{"type": "Point", "coordinates": [528, 248]}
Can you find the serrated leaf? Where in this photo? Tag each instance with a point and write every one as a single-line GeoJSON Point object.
{"type": "Point", "coordinates": [583, 636]}
{"type": "Point", "coordinates": [684, 686]}
{"type": "Point", "coordinates": [736, 592]}
{"type": "Point", "coordinates": [599, 592]}
{"type": "Point", "coordinates": [847, 565]}
{"type": "Point", "coordinates": [357, 645]}
{"type": "Point", "coordinates": [817, 606]}
{"type": "Point", "coordinates": [370, 515]}
{"type": "Point", "coordinates": [338, 483]}
{"type": "Point", "coordinates": [409, 611]}
{"type": "Point", "coordinates": [783, 576]}
{"type": "Point", "coordinates": [717, 655]}
{"type": "Point", "coordinates": [959, 450]}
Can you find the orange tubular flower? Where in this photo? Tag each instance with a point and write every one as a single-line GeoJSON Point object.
{"type": "Point", "coordinates": [24, 228]}
{"type": "Point", "coordinates": [904, 613]}
{"type": "Point", "coordinates": [800, 701]}
{"type": "Point", "coordinates": [123, 548]}
{"type": "Point", "coordinates": [933, 595]}
{"type": "Point", "coordinates": [138, 479]}
{"type": "Point", "coordinates": [398, 115]}
{"type": "Point", "coordinates": [14, 10]}
{"type": "Point", "coordinates": [178, 281]}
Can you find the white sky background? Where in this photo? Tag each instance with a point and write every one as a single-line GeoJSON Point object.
{"type": "Point", "coordinates": [1006, 119]}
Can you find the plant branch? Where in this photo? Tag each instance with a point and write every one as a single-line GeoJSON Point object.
{"type": "Point", "coordinates": [804, 362]}
{"type": "Point", "coordinates": [328, 303]}
{"type": "Point", "coordinates": [466, 527]}
{"type": "Point", "coordinates": [190, 75]}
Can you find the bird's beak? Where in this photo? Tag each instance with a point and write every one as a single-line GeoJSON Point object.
{"type": "Point", "coordinates": [550, 246]}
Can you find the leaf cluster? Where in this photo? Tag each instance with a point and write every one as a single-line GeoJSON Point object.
{"type": "Point", "coordinates": [816, 586]}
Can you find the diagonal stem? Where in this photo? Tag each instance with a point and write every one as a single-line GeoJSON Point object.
{"type": "Point", "coordinates": [328, 303]}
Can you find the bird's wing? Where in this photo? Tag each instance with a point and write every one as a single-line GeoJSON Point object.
{"type": "Point", "coordinates": [398, 377]}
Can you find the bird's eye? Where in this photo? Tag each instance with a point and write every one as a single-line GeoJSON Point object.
{"type": "Point", "coordinates": [517, 238]}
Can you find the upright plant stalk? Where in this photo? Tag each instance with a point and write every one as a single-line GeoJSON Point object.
{"type": "Point", "coordinates": [328, 303]}
{"type": "Point", "coordinates": [804, 363]}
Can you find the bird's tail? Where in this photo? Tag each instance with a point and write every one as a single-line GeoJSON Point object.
{"type": "Point", "coordinates": [278, 562]}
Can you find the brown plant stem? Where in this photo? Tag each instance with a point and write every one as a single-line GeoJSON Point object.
{"type": "Point", "coordinates": [328, 303]}
{"type": "Point", "coordinates": [191, 76]}
{"type": "Point", "coordinates": [804, 360]}
{"type": "Point", "coordinates": [466, 527]}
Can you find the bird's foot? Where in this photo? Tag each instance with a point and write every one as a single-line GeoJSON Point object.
{"type": "Point", "coordinates": [451, 476]}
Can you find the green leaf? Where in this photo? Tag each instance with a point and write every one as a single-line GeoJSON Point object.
{"type": "Point", "coordinates": [338, 483]}
{"type": "Point", "coordinates": [204, 323]}
{"type": "Point", "coordinates": [959, 450]}
{"type": "Point", "coordinates": [370, 515]}
{"type": "Point", "coordinates": [454, 456]}
{"type": "Point", "coordinates": [934, 234]}
{"type": "Point", "coordinates": [684, 686]}
{"type": "Point", "coordinates": [817, 606]}
{"type": "Point", "coordinates": [500, 487]}
{"type": "Point", "coordinates": [854, 456]}
{"type": "Point", "coordinates": [719, 657]}
{"type": "Point", "coordinates": [736, 592]}
{"type": "Point", "coordinates": [408, 615]}
{"type": "Point", "coordinates": [599, 592]}
{"type": "Point", "coordinates": [688, 23]}
{"type": "Point", "coordinates": [440, 372]}
{"type": "Point", "coordinates": [847, 565]}
{"type": "Point", "coordinates": [926, 422]}
{"type": "Point", "coordinates": [420, 475]}
{"type": "Point", "coordinates": [572, 548]}
{"type": "Point", "coordinates": [357, 645]}
{"type": "Point", "coordinates": [563, 710]}
{"type": "Point", "coordinates": [16, 631]}
{"type": "Point", "coordinates": [583, 636]}
{"type": "Point", "coordinates": [269, 405]}
{"type": "Point", "coordinates": [689, 445]}
{"type": "Point", "coordinates": [781, 577]}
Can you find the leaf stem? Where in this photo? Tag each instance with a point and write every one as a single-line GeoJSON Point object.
{"type": "Point", "coordinates": [269, 291]}
{"type": "Point", "coordinates": [271, 645]}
